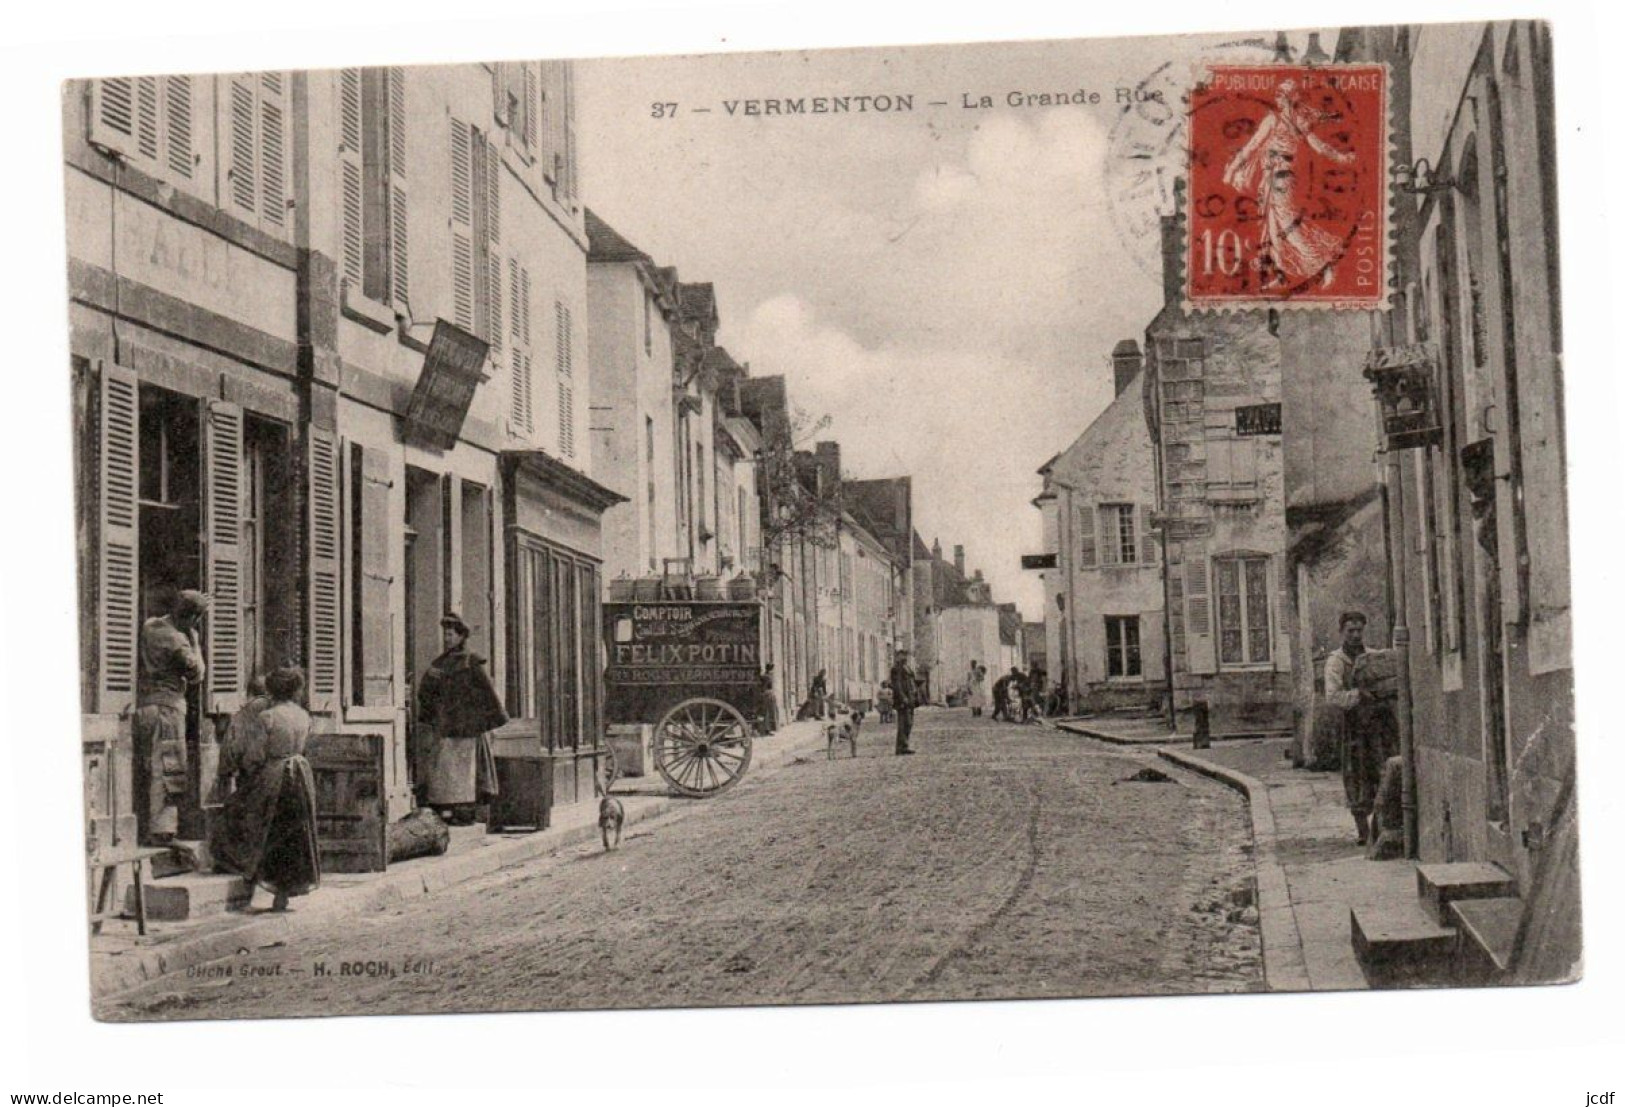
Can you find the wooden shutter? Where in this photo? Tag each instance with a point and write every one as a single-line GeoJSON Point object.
{"type": "Point", "coordinates": [399, 257]}
{"type": "Point", "coordinates": [377, 675]}
{"type": "Point", "coordinates": [1198, 616]}
{"type": "Point", "coordinates": [1244, 462]}
{"type": "Point", "coordinates": [177, 127]}
{"type": "Point", "coordinates": [350, 179]}
{"type": "Point", "coordinates": [499, 92]}
{"type": "Point", "coordinates": [325, 547]}
{"type": "Point", "coordinates": [242, 185]}
{"type": "Point", "coordinates": [532, 105]}
{"type": "Point", "coordinates": [493, 242]}
{"type": "Point", "coordinates": [119, 517]}
{"type": "Point", "coordinates": [146, 118]}
{"type": "Point", "coordinates": [462, 226]}
{"type": "Point", "coordinates": [273, 151]}
{"type": "Point", "coordinates": [1087, 540]}
{"type": "Point", "coordinates": [1218, 461]}
{"type": "Point", "coordinates": [112, 114]}
{"type": "Point", "coordinates": [1147, 537]}
{"type": "Point", "coordinates": [568, 170]}
{"type": "Point", "coordinates": [223, 530]}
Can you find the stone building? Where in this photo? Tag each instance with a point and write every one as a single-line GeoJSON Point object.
{"type": "Point", "coordinates": [1220, 506]}
{"type": "Point", "coordinates": [1105, 617]}
{"type": "Point", "coordinates": [259, 264]}
{"type": "Point", "coordinates": [1477, 507]}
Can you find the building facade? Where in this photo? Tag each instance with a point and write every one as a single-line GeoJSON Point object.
{"type": "Point", "coordinates": [1477, 510]}
{"type": "Point", "coordinates": [1220, 505]}
{"type": "Point", "coordinates": [258, 263]}
{"type": "Point", "coordinates": [1107, 615]}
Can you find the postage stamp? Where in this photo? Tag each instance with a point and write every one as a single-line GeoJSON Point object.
{"type": "Point", "coordinates": [1288, 196]}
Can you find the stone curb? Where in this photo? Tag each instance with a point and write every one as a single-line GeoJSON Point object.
{"type": "Point", "coordinates": [1105, 736]}
{"type": "Point", "coordinates": [136, 967]}
{"type": "Point", "coordinates": [1284, 968]}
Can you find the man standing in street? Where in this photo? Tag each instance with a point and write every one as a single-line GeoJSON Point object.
{"type": "Point", "coordinates": [1370, 732]}
{"type": "Point", "coordinates": [170, 662]}
{"type": "Point", "coordinates": [906, 693]}
{"type": "Point", "coordinates": [769, 707]}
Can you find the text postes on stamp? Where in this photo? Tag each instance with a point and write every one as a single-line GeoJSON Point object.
{"type": "Point", "coordinates": [1287, 203]}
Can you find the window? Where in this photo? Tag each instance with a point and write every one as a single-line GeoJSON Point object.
{"type": "Point", "coordinates": [1118, 545]}
{"type": "Point", "coordinates": [1122, 646]}
{"type": "Point", "coordinates": [555, 654]}
{"type": "Point", "coordinates": [476, 233]}
{"type": "Point", "coordinates": [515, 92]}
{"type": "Point", "coordinates": [372, 183]}
{"type": "Point", "coordinates": [1244, 610]}
{"type": "Point", "coordinates": [150, 122]}
{"type": "Point", "coordinates": [1232, 469]}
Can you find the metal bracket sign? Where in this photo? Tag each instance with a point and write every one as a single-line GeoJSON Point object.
{"type": "Point", "coordinates": [452, 369]}
{"type": "Point", "coordinates": [1258, 419]}
{"type": "Point", "coordinates": [1038, 561]}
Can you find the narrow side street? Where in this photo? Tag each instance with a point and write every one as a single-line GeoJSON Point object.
{"type": "Point", "coordinates": [1002, 861]}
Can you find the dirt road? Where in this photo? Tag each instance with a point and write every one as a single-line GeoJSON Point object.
{"type": "Point", "coordinates": [1001, 861]}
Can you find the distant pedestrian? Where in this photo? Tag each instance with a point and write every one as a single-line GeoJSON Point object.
{"type": "Point", "coordinates": [818, 696]}
{"type": "Point", "coordinates": [1001, 697]}
{"type": "Point", "coordinates": [769, 706]}
{"type": "Point", "coordinates": [905, 695]}
{"type": "Point", "coordinates": [457, 709]}
{"type": "Point", "coordinates": [977, 689]}
{"type": "Point", "coordinates": [170, 663]}
{"type": "Point", "coordinates": [266, 829]}
{"type": "Point", "coordinates": [1033, 703]}
{"type": "Point", "coordinates": [886, 701]}
{"type": "Point", "coordinates": [1370, 731]}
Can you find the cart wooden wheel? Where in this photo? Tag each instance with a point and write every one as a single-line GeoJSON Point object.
{"type": "Point", "coordinates": [702, 747]}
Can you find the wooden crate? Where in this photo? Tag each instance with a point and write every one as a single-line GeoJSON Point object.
{"type": "Point", "coordinates": [524, 799]}
{"type": "Point", "coordinates": [351, 821]}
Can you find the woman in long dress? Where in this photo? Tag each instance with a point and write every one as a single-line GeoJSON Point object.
{"type": "Point", "coordinates": [978, 689]}
{"type": "Point", "coordinates": [457, 709]}
{"type": "Point", "coordinates": [267, 826]}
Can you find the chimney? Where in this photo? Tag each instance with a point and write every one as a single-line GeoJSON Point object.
{"type": "Point", "coordinates": [1126, 362]}
{"type": "Point", "coordinates": [959, 560]}
{"type": "Point", "coordinates": [1173, 254]}
{"type": "Point", "coordinates": [978, 576]}
{"type": "Point", "coordinates": [936, 549]}
{"type": "Point", "coordinates": [829, 466]}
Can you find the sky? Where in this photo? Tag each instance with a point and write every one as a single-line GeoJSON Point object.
{"type": "Point", "coordinates": [946, 284]}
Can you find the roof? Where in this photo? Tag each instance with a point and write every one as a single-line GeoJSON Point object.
{"type": "Point", "coordinates": [921, 552]}
{"type": "Point", "coordinates": [606, 244]}
{"type": "Point", "coordinates": [1009, 624]}
{"type": "Point", "coordinates": [1126, 348]}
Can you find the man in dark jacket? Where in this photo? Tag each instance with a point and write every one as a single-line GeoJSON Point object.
{"type": "Point", "coordinates": [170, 661]}
{"type": "Point", "coordinates": [457, 709]}
{"type": "Point", "coordinates": [905, 693]}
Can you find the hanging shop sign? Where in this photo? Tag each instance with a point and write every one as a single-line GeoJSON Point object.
{"type": "Point", "coordinates": [1038, 561]}
{"type": "Point", "coordinates": [1402, 377]}
{"type": "Point", "coordinates": [453, 368]}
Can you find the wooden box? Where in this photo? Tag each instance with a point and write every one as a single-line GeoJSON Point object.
{"type": "Point", "coordinates": [524, 799]}
{"type": "Point", "coordinates": [351, 821]}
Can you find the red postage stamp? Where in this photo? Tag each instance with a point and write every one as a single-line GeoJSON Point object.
{"type": "Point", "coordinates": [1288, 200]}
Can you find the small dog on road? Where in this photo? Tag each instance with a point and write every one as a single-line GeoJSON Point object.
{"type": "Point", "coordinates": [611, 812]}
{"type": "Point", "coordinates": [843, 728]}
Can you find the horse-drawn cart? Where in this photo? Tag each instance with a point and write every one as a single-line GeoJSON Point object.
{"type": "Point", "coordinates": [692, 669]}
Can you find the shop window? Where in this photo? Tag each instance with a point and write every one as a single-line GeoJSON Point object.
{"type": "Point", "coordinates": [1244, 610]}
{"type": "Point", "coordinates": [1123, 646]}
{"type": "Point", "coordinates": [555, 658]}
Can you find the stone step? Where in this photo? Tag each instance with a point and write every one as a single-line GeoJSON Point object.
{"type": "Point", "coordinates": [191, 896]}
{"type": "Point", "coordinates": [1397, 944]}
{"type": "Point", "coordinates": [1441, 884]}
{"type": "Point", "coordinates": [1488, 926]}
{"type": "Point", "coordinates": [183, 857]}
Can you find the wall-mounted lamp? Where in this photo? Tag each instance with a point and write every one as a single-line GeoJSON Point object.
{"type": "Point", "coordinates": [1420, 179]}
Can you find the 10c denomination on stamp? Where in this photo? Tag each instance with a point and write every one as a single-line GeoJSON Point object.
{"type": "Point", "coordinates": [1288, 195]}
